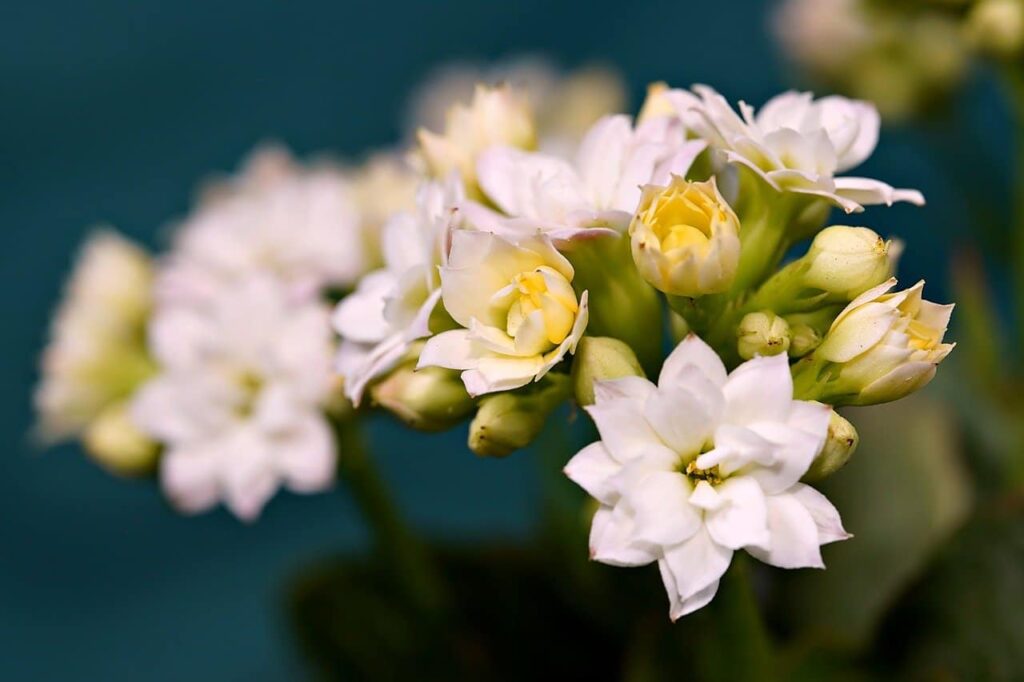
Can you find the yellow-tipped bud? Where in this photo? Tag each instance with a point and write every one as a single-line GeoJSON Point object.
{"type": "Point", "coordinates": [428, 399]}
{"type": "Point", "coordinates": [839, 446]}
{"type": "Point", "coordinates": [114, 442]}
{"type": "Point", "coordinates": [762, 333]}
{"type": "Point", "coordinates": [511, 420]}
{"type": "Point", "coordinates": [685, 238]}
{"type": "Point", "coordinates": [599, 358]}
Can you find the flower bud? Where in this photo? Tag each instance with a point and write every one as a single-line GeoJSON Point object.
{"type": "Point", "coordinates": [840, 443]}
{"type": "Point", "coordinates": [118, 445]}
{"type": "Point", "coordinates": [847, 261]}
{"type": "Point", "coordinates": [997, 27]}
{"type": "Point", "coordinates": [685, 238]}
{"type": "Point", "coordinates": [428, 399]}
{"type": "Point", "coordinates": [807, 330]}
{"type": "Point", "coordinates": [881, 347]}
{"type": "Point", "coordinates": [803, 339]}
{"type": "Point", "coordinates": [496, 116]}
{"type": "Point", "coordinates": [762, 333]}
{"type": "Point", "coordinates": [599, 358]}
{"type": "Point", "coordinates": [511, 420]}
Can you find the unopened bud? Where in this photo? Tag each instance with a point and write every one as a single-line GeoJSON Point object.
{"type": "Point", "coordinates": [847, 261]}
{"type": "Point", "coordinates": [599, 358]}
{"type": "Point", "coordinates": [118, 445]}
{"type": "Point", "coordinates": [511, 420]}
{"type": "Point", "coordinates": [762, 333]}
{"type": "Point", "coordinates": [428, 399]}
{"type": "Point", "coordinates": [840, 443]}
{"type": "Point", "coordinates": [803, 338]}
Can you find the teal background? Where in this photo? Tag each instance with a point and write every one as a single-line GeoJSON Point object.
{"type": "Point", "coordinates": [112, 111]}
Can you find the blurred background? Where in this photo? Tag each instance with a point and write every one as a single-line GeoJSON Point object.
{"type": "Point", "coordinates": [115, 110]}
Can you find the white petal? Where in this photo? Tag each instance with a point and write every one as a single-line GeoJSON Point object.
{"type": "Point", "coordinates": [692, 352]}
{"type": "Point", "coordinates": [663, 514]}
{"type": "Point", "coordinates": [452, 349]}
{"type": "Point", "coordinates": [188, 477]}
{"type": "Point", "coordinates": [867, 191]}
{"type": "Point", "coordinates": [697, 563]}
{"type": "Point", "coordinates": [743, 519]}
{"type": "Point", "coordinates": [306, 458]}
{"type": "Point", "coordinates": [360, 315]}
{"type": "Point", "coordinates": [602, 155]}
{"type": "Point", "coordinates": [794, 535]}
{"type": "Point", "coordinates": [826, 518]}
{"type": "Point", "coordinates": [619, 418]}
{"type": "Point", "coordinates": [612, 541]}
{"type": "Point", "coordinates": [680, 420]}
{"type": "Point", "coordinates": [530, 185]}
{"type": "Point", "coordinates": [591, 468]}
{"type": "Point", "coordinates": [248, 472]}
{"type": "Point", "coordinates": [758, 390]}
{"type": "Point", "coordinates": [493, 374]}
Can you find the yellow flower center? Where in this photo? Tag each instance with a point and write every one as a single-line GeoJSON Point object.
{"type": "Point", "coordinates": [681, 218]}
{"type": "Point", "coordinates": [546, 290]}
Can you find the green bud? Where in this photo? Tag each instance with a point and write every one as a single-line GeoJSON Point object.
{"type": "Point", "coordinates": [997, 27]}
{"type": "Point", "coordinates": [839, 446]}
{"type": "Point", "coordinates": [428, 399]}
{"type": "Point", "coordinates": [598, 358]}
{"type": "Point", "coordinates": [846, 261]}
{"type": "Point", "coordinates": [511, 420]}
{"type": "Point", "coordinates": [762, 333]}
{"type": "Point", "coordinates": [806, 330]}
{"type": "Point", "coordinates": [114, 442]}
{"type": "Point", "coordinates": [622, 304]}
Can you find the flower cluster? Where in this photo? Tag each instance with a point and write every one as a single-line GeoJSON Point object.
{"type": "Point", "coordinates": [514, 277]}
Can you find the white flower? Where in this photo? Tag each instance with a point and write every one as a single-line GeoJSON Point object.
{"type": "Point", "coordinates": [96, 355]}
{"type": "Point", "coordinates": [391, 307]}
{"type": "Point", "coordinates": [517, 306]}
{"type": "Point", "coordinates": [237, 404]}
{"type": "Point", "coordinates": [300, 224]}
{"type": "Point", "coordinates": [885, 345]}
{"type": "Point", "coordinates": [597, 194]}
{"type": "Point", "coordinates": [701, 465]}
{"type": "Point", "coordinates": [796, 143]}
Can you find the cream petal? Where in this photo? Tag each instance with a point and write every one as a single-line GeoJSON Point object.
{"type": "Point", "coordinates": [453, 349]}
{"type": "Point", "coordinates": [500, 374]}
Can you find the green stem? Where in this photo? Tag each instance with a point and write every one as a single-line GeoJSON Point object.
{"type": "Point", "coordinates": [412, 565]}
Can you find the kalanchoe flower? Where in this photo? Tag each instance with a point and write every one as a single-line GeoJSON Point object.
{"type": "Point", "coordinates": [517, 306]}
{"type": "Point", "coordinates": [238, 402]}
{"type": "Point", "coordinates": [301, 224]}
{"type": "Point", "coordinates": [795, 143]}
{"type": "Point", "coordinates": [702, 465]}
{"type": "Point", "coordinates": [96, 356]}
{"type": "Point", "coordinates": [598, 193]}
{"type": "Point", "coordinates": [496, 116]}
{"type": "Point", "coordinates": [392, 306]}
{"type": "Point", "coordinates": [882, 347]}
{"type": "Point", "coordinates": [685, 238]}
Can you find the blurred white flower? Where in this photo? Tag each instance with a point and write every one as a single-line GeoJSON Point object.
{"type": "Point", "coordinates": [238, 401]}
{"type": "Point", "coordinates": [795, 143]}
{"type": "Point", "coordinates": [517, 306]}
{"type": "Point", "coordinates": [701, 465]}
{"type": "Point", "coordinates": [301, 224]}
{"type": "Point", "coordinates": [822, 34]}
{"type": "Point", "coordinates": [96, 355]}
{"type": "Point", "coordinates": [392, 306]}
{"type": "Point", "coordinates": [598, 193]}
{"type": "Point", "coordinates": [565, 103]}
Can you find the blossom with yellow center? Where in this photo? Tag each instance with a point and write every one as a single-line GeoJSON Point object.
{"type": "Point", "coordinates": [685, 238]}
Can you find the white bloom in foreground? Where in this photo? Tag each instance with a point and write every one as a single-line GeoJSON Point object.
{"type": "Point", "coordinates": [391, 308]}
{"type": "Point", "coordinates": [704, 464]}
{"type": "Point", "coordinates": [796, 143]}
{"type": "Point", "coordinates": [599, 192]}
{"type": "Point", "coordinates": [301, 224]}
{"type": "Point", "coordinates": [96, 355]}
{"type": "Point", "coordinates": [237, 404]}
{"type": "Point", "coordinates": [518, 307]}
